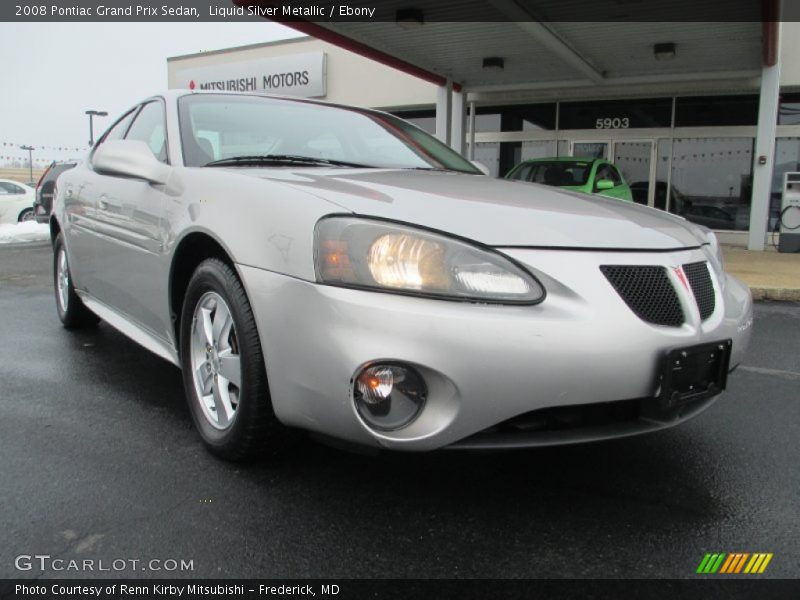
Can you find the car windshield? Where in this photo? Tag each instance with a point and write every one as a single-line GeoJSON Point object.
{"type": "Point", "coordinates": [556, 172]}
{"type": "Point", "coordinates": [245, 130]}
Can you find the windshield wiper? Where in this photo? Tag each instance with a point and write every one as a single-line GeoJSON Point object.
{"type": "Point", "coordinates": [286, 159]}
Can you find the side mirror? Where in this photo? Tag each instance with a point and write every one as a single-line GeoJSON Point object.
{"type": "Point", "coordinates": [130, 158]}
{"type": "Point", "coordinates": [481, 167]}
{"type": "Point", "coordinates": [604, 184]}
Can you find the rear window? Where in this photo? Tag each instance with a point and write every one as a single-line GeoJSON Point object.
{"type": "Point", "coordinates": [559, 173]}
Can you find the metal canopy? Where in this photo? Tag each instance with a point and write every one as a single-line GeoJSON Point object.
{"type": "Point", "coordinates": [545, 47]}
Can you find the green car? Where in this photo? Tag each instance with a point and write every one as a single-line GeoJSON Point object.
{"type": "Point", "coordinates": [587, 175]}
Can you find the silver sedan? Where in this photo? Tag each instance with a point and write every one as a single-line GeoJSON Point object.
{"type": "Point", "coordinates": [338, 270]}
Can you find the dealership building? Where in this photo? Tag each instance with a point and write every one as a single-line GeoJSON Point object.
{"type": "Point", "coordinates": [703, 119]}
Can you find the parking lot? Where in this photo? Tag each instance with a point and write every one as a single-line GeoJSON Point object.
{"type": "Point", "coordinates": [101, 461]}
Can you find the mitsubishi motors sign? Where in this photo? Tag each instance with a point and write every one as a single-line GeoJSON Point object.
{"type": "Point", "coordinates": [294, 75]}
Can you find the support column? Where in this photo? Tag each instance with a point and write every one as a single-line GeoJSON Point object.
{"type": "Point", "coordinates": [471, 130]}
{"type": "Point", "coordinates": [764, 153]}
{"type": "Point", "coordinates": [458, 123]}
{"type": "Point", "coordinates": [444, 112]}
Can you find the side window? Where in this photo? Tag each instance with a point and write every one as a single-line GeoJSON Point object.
{"type": "Point", "coordinates": [616, 177]}
{"type": "Point", "coordinates": [149, 127]}
{"type": "Point", "coordinates": [607, 172]}
{"type": "Point", "coordinates": [117, 131]}
{"type": "Point", "coordinates": [6, 187]}
{"type": "Point", "coordinates": [523, 173]}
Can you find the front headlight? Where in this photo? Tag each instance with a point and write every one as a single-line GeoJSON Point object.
{"type": "Point", "coordinates": [387, 256]}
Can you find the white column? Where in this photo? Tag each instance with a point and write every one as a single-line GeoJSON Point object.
{"type": "Point", "coordinates": [444, 112]}
{"type": "Point", "coordinates": [472, 130]}
{"type": "Point", "coordinates": [765, 152]}
{"type": "Point", "coordinates": [458, 124]}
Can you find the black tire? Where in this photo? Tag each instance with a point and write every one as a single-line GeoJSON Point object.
{"type": "Point", "coordinates": [253, 430]}
{"type": "Point", "coordinates": [74, 315]}
{"type": "Point", "coordinates": [27, 214]}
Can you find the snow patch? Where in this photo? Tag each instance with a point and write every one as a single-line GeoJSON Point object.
{"type": "Point", "coordinates": [27, 231]}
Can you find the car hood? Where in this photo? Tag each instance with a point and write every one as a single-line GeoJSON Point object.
{"type": "Point", "coordinates": [494, 212]}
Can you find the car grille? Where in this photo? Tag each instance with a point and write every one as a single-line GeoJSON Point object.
{"type": "Point", "coordinates": [647, 291]}
{"type": "Point", "coordinates": [700, 280]}
{"type": "Point", "coordinates": [650, 295]}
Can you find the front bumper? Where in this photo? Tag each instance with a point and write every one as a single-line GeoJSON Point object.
{"type": "Point", "coordinates": [484, 364]}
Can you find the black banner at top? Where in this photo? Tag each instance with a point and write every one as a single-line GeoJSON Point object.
{"type": "Point", "coordinates": [415, 13]}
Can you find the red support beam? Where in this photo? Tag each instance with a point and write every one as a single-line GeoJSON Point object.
{"type": "Point", "coordinates": [770, 19]}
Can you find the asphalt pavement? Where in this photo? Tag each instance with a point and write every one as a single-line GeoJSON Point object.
{"type": "Point", "coordinates": [100, 461]}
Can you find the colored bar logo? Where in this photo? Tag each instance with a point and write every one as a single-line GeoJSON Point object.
{"type": "Point", "coordinates": [734, 563]}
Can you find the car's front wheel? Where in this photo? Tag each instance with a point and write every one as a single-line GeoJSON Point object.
{"type": "Point", "coordinates": [223, 366]}
{"type": "Point", "coordinates": [70, 308]}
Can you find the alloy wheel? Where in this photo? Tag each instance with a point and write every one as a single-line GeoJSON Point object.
{"type": "Point", "coordinates": [62, 280]}
{"type": "Point", "coordinates": [215, 360]}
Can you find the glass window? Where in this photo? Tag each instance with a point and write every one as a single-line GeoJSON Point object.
{"type": "Point", "coordinates": [424, 119]}
{"type": "Point", "coordinates": [633, 159]}
{"type": "Point", "coordinates": [524, 117]}
{"type": "Point", "coordinates": [530, 117]}
{"type": "Point", "coordinates": [149, 127]}
{"type": "Point", "coordinates": [255, 125]}
{"type": "Point", "coordinates": [607, 172]}
{"type": "Point", "coordinates": [615, 114]}
{"type": "Point", "coordinates": [590, 149]}
{"type": "Point", "coordinates": [488, 154]}
{"type": "Point", "coordinates": [706, 111]}
{"type": "Point", "coordinates": [118, 129]}
{"type": "Point", "coordinates": [787, 159]}
{"type": "Point", "coordinates": [557, 173]}
{"type": "Point", "coordinates": [538, 149]}
{"type": "Point", "coordinates": [501, 157]}
{"type": "Point", "coordinates": [712, 181]}
{"type": "Point", "coordinates": [789, 109]}
{"type": "Point", "coordinates": [661, 195]}
{"type": "Point", "coordinates": [7, 187]}
{"type": "Point", "coordinates": [486, 122]}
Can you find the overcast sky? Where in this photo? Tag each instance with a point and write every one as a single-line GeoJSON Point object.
{"type": "Point", "coordinates": [53, 72]}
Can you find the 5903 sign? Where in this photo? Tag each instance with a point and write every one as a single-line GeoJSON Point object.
{"type": "Point", "coordinates": [612, 123]}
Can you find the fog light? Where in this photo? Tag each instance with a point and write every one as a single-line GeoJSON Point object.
{"type": "Point", "coordinates": [389, 396]}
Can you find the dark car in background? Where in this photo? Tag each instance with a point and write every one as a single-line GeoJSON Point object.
{"type": "Point", "coordinates": [640, 191]}
{"type": "Point", "coordinates": [46, 187]}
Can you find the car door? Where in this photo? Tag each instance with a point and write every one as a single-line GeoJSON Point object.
{"type": "Point", "coordinates": [79, 191]}
{"type": "Point", "coordinates": [127, 236]}
{"type": "Point", "coordinates": [13, 200]}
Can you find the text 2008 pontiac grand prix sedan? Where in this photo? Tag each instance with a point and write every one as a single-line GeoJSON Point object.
{"type": "Point", "coordinates": [338, 270]}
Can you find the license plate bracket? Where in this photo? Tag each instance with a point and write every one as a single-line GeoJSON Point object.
{"type": "Point", "coordinates": [694, 373]}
